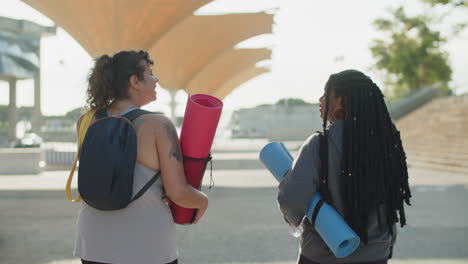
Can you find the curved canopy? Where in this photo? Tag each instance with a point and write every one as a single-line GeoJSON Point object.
{"type": "Point", "coordinates": [19, 46]}
{"type": "Point", "coordinates": [108, 26]}
{"type": "Point", "coordinates": [224, 68]}
{"type": "Point", "coordinates": [192, 44]}
{"type": "Point", "coordinates": [240, 78]}
{"type": "Point", "coordinates": [18, 57]}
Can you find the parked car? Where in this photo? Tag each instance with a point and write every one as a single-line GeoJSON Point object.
{"type": "Point", "coordinates": [29, 140]}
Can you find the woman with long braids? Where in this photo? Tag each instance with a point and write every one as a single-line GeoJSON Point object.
{"type": "Point", "coordinates": [361, 155]}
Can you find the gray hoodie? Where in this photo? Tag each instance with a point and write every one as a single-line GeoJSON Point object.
{"type": "Point", "coordinates": [301, 183]}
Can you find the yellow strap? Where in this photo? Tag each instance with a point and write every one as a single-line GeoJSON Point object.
{"type": "Point", "coordinates": [85, 123]}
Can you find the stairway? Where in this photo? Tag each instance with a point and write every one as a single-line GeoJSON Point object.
{"type": "Point", "coordinates": [435, 136]}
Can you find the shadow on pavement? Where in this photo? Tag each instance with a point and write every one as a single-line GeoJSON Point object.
{"type": "Point", "coordinates": [242, 225]}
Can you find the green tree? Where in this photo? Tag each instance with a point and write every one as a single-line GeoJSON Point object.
{"type": "Point", "coordinates": [454, 3]}
{"type": "Point", "coordinates": [74, 114]}
{"type": "Point", "coordinates": [3, 113]}
{"type": "Point", "coordinates": [411, 56]}
{"type": "Point", "coordinates": [25, 113]}
{"type": "Point", "coordinates": [22, 113]}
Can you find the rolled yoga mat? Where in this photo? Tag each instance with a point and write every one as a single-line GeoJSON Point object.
{"type": "Point", "coordinates": [277, 159]}
{"type": "Point", "coordinates": [201, 119]}
{"type": "Point", "coordinates": [199, 127]}
{"type": "Point", "coordinates": [333, 229]}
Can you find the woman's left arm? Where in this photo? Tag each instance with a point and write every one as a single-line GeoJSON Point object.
{"type": "Point", "coordinates": [301, 182]}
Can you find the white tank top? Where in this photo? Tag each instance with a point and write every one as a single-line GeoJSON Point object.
{"type": "Point", "coordinates": [142, 233]}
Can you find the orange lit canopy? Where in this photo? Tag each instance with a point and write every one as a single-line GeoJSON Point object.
{"type": "Point", "coordinates": [108, 26]}
{"type": "Point", "coordinates": [184, 46]}
{"type": "Point", "coordinates": [191, 45]}
{"type": "Point", "coordinates": [240, 78]}
{"type": "Point", "coordinates": [224, 68]}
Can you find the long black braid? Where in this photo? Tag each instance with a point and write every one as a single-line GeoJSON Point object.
{"type": "Point", "coordinates": [373, 165]}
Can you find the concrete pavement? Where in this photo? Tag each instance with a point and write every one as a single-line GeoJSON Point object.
{"type": "Point", "coordinates": [242, 225]}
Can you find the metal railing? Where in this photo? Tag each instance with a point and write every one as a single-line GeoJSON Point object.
{"type": "Point", "coordinates": [59, 155]}
{"type": "Point", "coordinates": [412, 101]}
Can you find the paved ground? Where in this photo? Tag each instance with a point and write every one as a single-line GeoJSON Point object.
{"type": "Point", "coordinates": [242, 225]}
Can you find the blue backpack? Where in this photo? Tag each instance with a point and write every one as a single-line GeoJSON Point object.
{"type": "Point", "coordinates": [107, 160]}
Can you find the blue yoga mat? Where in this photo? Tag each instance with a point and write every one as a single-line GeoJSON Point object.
{"type": "Point", "coordinates": [333, 229]}
{"type": "Point", "coordinates": [276, 159]}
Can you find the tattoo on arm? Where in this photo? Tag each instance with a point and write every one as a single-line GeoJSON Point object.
{"type": "Point", "coordinates": [174, 140]}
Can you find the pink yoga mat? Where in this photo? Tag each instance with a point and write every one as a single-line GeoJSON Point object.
{"type": "Point", "coordinates": [198, 130]}
{"type": "Point", "coordinates": [199, 127]}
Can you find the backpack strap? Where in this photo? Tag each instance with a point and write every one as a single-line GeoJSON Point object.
{"type": "Point", "coordinates": [131, 115]}
{"type": "Point", "coordinates": [323, 188]}
{"type": "Point", "coordinates": [316, 211]}
{"type": "Point", "coordinates": [84, 125]}
{"type": "Point", "coordinates": [134, 114]}
{"type": "Point", "coordinates": [101, 114]}
{"type": "Point", "coordinates": [146, 186]}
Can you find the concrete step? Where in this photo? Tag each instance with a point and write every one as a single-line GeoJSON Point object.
{"type": "Point", "coordinates": [455, 150]}
{"type": "Point", "coordinates": [428, 137]}
{"type": "Point", "coordinates": [248, 145]}
{"type": "Point", "coordinates": [441, 161]}
{"type": "Point", "coordinates": [239, 161]}
{"type": "Point", "coordinates": [246, 160]}
{"type": "Point", "coordinates": [437, 167]}
{"type": "Point", "coordinates": [419, 138]}
{"type": "Point", "coordinates": [458, 157]}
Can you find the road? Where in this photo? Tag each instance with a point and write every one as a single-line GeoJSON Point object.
{"type": "Point", "coordinates": [242, 225]}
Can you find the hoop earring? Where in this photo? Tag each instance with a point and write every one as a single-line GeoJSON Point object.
{"type": "Point", "coordinates": [338, 114]}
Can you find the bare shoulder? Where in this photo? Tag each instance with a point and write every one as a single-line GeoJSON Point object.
{"type": "Point", "coordinates": [155, 120]}
{"type": "Point", "coordinates": [165, 133]}
{"type": "Point", "coordinates": [157, 123]}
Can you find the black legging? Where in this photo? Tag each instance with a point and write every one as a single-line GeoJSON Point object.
{"type": "Point", "coordinates": [92, 262]}
{"type": "Point", "coordinates": [303, 260]}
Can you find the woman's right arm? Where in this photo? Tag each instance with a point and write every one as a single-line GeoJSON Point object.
{"type": "Point", "coordinates": [300, 183]}
{"type": "Point", "coordinates": [172, 169]}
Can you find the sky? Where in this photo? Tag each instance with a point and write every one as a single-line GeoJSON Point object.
{"type": "Point", "coordinates": [310, 41]}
